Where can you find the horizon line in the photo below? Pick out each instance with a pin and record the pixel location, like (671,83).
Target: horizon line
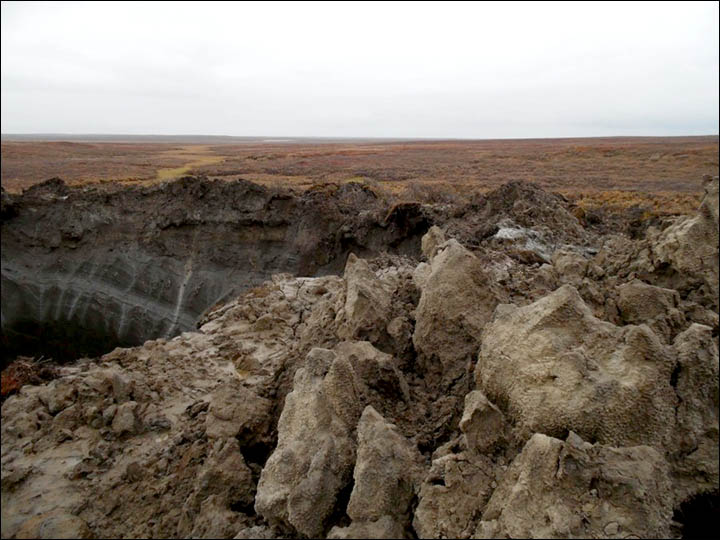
(290,138)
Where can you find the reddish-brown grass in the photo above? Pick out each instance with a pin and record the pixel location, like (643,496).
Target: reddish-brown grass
(24,370)
(663,173)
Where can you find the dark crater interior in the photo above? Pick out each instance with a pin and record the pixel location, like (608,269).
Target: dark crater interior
(85,270)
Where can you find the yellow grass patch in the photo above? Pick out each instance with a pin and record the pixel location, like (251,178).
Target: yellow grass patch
(197,156)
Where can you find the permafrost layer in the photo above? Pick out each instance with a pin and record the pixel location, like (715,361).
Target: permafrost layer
(139,263)
(555,382)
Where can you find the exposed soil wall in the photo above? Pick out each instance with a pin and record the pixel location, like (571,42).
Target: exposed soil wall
(130,264)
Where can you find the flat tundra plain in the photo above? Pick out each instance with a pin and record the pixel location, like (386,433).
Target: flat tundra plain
(659,174)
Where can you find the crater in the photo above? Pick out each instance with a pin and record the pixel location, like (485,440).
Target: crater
(87,269)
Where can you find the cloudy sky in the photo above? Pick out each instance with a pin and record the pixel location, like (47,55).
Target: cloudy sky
(361,69)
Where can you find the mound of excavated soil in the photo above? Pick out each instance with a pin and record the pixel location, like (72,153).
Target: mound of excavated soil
(489,371)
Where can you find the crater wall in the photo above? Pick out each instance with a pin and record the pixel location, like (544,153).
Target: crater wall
(130,264)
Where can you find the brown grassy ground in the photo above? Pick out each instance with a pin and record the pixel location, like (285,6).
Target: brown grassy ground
(660,173)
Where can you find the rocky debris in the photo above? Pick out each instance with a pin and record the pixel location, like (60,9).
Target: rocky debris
(256,532)
(275,324)
(553,366)
(475,393)
(367,304)
(385,527)
(457,300)
(524,205)
(679,253)
(453,495)
(125,448)
(690,246)
(526,245)
(224,481)
(695,380)
(394,275)
(639,303)
(54,525)
(387,471)
(483,424)
(380,382)
(235,411)
(312,463)
(57,396)
(464,473)
(570,265)
(432,241)
(574,489)
(125,420)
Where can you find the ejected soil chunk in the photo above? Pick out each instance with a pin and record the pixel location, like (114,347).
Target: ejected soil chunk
(457,300)
(367,303)
(690,246)
(695,447)
(482,423)
(313,461)
(554,366)
(236,411)
(387,470)
(639,302)
(453,495)
(657,307)
(575,489)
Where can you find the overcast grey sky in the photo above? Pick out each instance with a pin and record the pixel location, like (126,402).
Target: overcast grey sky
(361,69)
